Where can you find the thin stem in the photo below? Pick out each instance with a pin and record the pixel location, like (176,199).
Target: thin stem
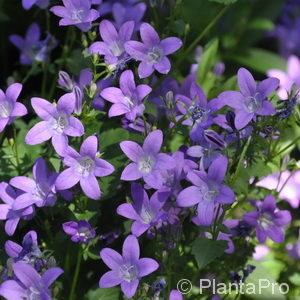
(240,162)
(75,278)
(200,36)
(28,75)
(45,75)
(15,147)
(287,147)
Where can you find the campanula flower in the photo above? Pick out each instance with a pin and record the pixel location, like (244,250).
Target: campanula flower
(32,48)
(152,52)
(143,211)
(128,98)
(112,46)
(76,12)
(28,252)
(80,231)
(39,190)
(126,269)
(207,191)
(288,78)
(27,4)
(251,101)
(84,167)
(8,195)
(268,220)
(29,284)
(57,124)
(9,107)
(147,161)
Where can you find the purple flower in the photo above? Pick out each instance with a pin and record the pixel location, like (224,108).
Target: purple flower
(128,99)
(147,162)
(27,4)
(39,191)
(57,123)
(206,155)
(175,295)
(112,46)
(207,191)
(85,79)
(126,269)
(260,252)
(9,107)
(106,7)
(84,167)
(7,212)
(251,101)
(76,12)
(31,47)
(152,52)
(124,12)
(268,220)
(145,213)
(199,112)
(28,252)
(30,284)
(286,183)
(292,76)
(80,231)
(137,125)
(172,177)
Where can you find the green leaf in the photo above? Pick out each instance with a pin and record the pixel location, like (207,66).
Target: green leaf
(259,60)
(208,60)
(261,24)
(259,277)
(206,250)
(226,2)
(104,294)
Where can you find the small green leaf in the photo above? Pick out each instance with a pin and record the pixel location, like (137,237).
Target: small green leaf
(226,2)
(206,250)
(261,277)
(104,294)
(259,60)
(208,59)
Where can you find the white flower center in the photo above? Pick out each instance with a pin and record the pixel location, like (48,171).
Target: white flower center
(265,221)
(60,123)
(130,103)
(155,55)
(209,191)
(5,109)
(253,103)
(77,15)
(128,272)
(146,164)
(84,232)
(85,166)
(40,192)
(147,215)
(116,48)
(33,294)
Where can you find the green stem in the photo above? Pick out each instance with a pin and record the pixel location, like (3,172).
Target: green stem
(200,36)
(75,278)
(240,162)
(287,147)
(45,75)
(28,75)
(15,146)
